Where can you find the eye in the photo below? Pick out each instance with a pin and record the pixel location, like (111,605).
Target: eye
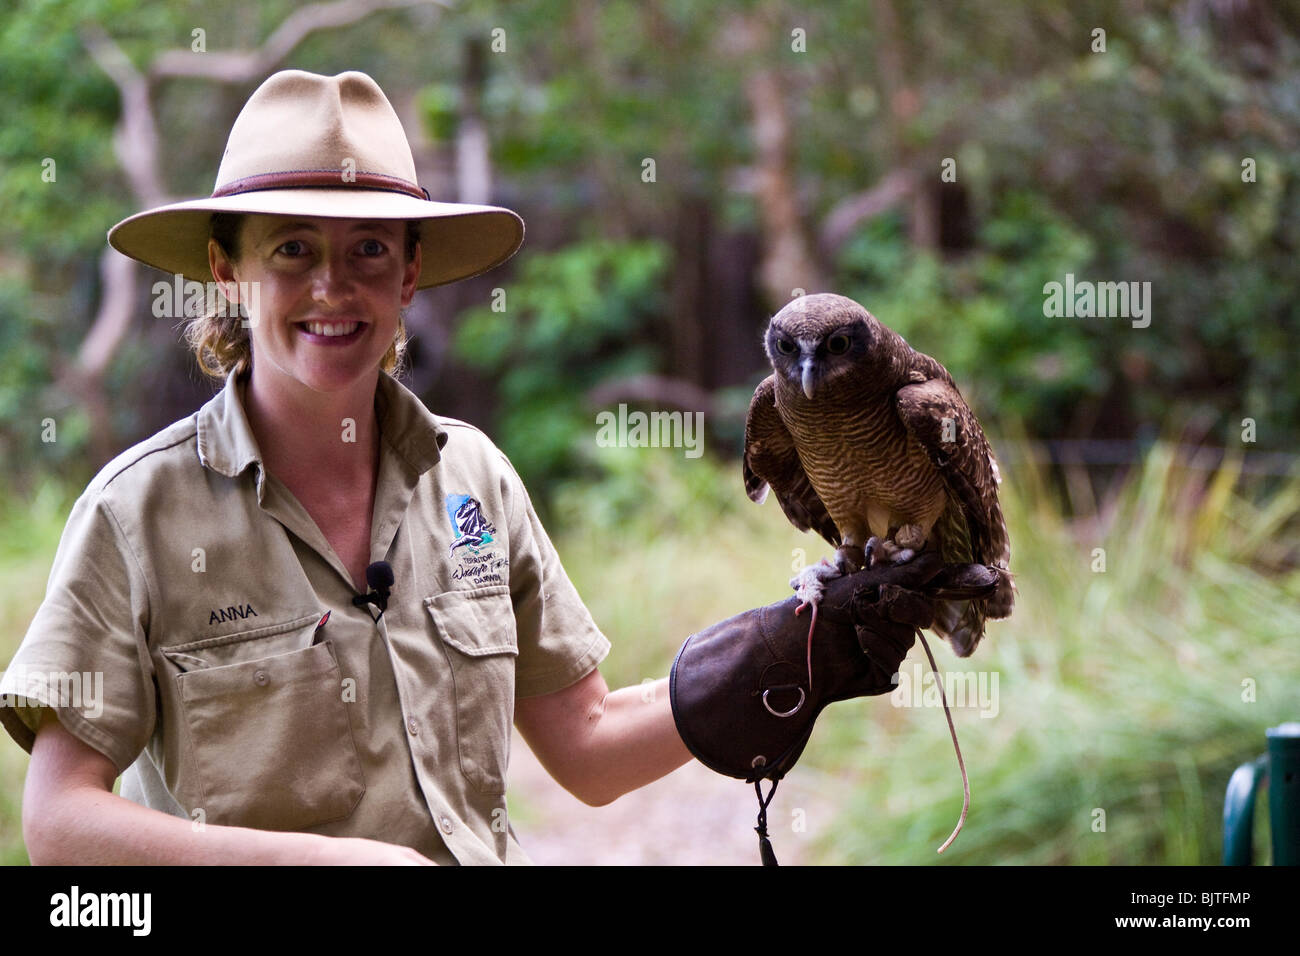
(837,344)
(785,346)
(293,248)
(373,247)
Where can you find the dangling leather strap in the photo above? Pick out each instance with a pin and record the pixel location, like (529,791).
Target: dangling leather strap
(765,852)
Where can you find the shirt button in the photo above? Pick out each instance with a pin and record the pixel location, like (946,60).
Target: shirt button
(445,823)
(412,726)
(261,679)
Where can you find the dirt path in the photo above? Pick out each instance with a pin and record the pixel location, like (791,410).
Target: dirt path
(692,817)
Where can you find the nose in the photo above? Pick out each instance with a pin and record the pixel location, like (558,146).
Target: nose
(331,280)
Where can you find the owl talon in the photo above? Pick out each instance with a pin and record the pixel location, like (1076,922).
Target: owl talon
(882,550)
(849,559)
(911,537)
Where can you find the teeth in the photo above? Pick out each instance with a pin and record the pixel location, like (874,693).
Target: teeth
(332,328)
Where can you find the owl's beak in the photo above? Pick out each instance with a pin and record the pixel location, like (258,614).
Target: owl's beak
(807,365)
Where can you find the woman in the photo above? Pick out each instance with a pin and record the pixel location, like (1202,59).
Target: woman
(315,606)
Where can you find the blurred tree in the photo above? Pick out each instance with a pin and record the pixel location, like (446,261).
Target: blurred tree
(941,163)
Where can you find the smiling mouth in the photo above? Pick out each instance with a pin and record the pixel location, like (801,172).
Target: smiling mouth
(330,329)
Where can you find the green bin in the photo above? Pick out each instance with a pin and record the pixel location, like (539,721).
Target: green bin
(1279,771)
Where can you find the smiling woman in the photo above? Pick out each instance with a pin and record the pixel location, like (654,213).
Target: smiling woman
(305,728)
(219,338)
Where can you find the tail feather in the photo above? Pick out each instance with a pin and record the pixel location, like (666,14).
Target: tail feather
(1000,603)
(961,623)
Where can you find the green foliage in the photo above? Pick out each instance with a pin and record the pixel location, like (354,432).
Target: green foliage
(28,405)
(29,533)
(984,314)
(23,364)
(59,109)
(571,320)
(1142,151)
(691,495)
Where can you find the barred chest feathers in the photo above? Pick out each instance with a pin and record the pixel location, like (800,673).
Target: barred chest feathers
(861,461)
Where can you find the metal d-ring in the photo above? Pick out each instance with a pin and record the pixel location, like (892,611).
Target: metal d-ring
(788,713)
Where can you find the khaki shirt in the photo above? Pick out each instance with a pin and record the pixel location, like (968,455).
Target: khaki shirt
(181,636)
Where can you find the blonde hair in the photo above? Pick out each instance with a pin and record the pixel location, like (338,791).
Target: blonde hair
(220,341)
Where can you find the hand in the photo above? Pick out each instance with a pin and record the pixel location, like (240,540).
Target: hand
(740,690)
(356,851)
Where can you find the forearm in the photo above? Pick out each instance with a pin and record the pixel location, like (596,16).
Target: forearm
(86,826)
(71,816)
(600,744)
(633,740)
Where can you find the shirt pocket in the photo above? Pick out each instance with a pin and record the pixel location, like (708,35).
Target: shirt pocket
(270,737)
(477,629)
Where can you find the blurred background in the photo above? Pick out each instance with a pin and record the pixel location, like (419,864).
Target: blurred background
(684,170)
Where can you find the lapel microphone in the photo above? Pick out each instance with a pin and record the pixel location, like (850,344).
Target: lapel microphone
(379,578)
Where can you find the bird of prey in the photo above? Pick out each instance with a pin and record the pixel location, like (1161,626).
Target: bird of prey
(868,442)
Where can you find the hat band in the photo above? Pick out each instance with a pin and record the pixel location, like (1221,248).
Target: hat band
(307,178)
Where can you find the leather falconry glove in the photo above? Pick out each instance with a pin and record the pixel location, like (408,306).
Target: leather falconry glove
(740,690)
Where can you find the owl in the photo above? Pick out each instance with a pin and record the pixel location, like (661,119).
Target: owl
(868,442)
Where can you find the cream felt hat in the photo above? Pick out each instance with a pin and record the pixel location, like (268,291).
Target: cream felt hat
(330,146)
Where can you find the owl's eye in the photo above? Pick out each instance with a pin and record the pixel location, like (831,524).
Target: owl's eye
(785,346)
(837,344)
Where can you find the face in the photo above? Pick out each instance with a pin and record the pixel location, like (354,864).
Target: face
(812,358)
(328,300)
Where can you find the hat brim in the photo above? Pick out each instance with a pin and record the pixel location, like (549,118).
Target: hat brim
(459,240)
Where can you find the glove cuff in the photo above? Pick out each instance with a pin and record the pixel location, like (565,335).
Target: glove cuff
(742,707)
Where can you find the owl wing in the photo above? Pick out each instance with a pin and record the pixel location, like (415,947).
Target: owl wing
(771,460)
(932,411)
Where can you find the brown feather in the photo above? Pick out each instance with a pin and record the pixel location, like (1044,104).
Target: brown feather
(771,460)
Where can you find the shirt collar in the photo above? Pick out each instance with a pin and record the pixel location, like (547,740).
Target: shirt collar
(225,440)
(407,426)
(226,443)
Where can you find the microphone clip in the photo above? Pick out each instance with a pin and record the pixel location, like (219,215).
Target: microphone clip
(379,578)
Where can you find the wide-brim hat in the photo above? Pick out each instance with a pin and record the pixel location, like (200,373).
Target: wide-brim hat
(322,146)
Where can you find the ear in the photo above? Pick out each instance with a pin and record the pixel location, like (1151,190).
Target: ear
(223,270)
(411,275)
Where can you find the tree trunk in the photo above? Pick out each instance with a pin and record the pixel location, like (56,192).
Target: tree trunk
(788,262)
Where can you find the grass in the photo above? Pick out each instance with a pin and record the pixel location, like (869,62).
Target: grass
(29,534)
(1122,691)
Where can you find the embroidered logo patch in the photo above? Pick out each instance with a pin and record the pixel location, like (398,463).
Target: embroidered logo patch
(476,562)
(467,521)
